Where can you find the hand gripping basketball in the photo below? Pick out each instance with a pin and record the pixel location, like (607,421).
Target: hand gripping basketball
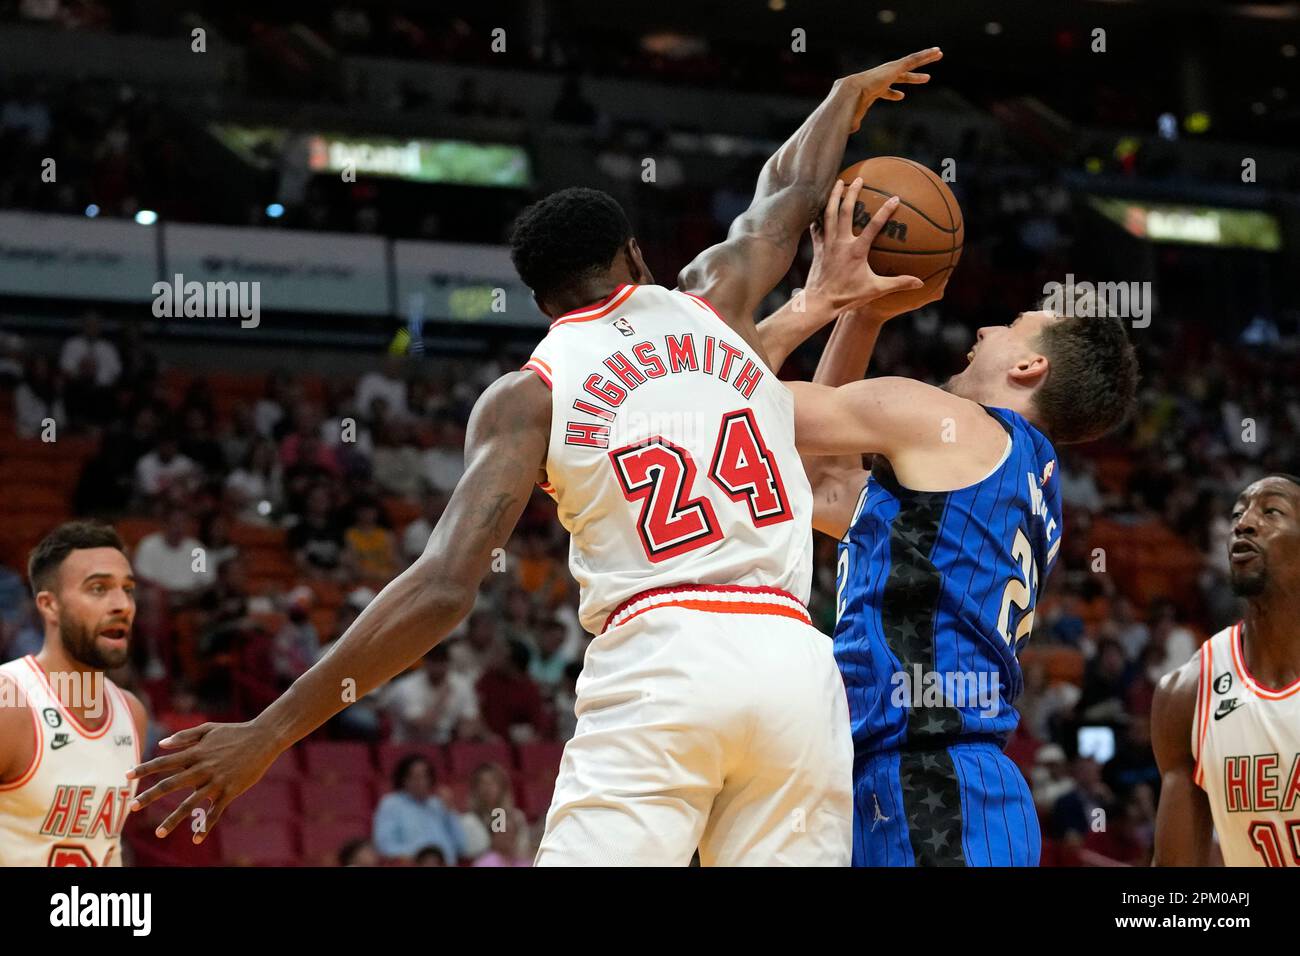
(841,269)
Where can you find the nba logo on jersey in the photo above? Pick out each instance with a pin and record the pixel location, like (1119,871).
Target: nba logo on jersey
(624,326)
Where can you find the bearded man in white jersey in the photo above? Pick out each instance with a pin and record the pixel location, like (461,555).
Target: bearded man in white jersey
(710,712)
(68,735)
(1226,725)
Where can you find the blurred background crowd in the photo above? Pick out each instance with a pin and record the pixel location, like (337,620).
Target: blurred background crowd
(270,483)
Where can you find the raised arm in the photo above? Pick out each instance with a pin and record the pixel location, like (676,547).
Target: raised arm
(505,447)
(736,274)
(1184,827)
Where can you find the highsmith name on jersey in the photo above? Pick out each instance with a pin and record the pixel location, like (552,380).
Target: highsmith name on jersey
(672,458)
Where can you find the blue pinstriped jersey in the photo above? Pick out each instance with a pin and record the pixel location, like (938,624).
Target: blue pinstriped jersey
(935,594)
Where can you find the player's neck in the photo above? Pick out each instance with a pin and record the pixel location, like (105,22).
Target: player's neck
(1271,639)
(587,293)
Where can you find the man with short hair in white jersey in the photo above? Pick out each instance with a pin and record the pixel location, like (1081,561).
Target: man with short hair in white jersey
(69,735)
(711,714)
(1226,725)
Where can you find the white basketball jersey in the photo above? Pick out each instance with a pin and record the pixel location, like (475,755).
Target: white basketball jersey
(672,457)
(69,807)
(1246,738)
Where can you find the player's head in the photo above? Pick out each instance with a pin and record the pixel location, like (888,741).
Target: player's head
(573,242)
(85,592)
(1075,376)
(1264,546)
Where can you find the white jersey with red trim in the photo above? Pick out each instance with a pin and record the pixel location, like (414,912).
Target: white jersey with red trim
(1246,738)
(672,456)
(69,807)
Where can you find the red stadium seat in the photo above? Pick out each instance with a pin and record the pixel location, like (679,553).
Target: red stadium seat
(328,760)
(270,843)
(268,800)
(322,840)
(534,797)
(465,757)
(286,767)
(337,800)
(391,754)
(540,759)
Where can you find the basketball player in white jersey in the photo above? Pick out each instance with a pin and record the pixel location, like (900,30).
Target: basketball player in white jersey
(68,735)
(710,711)
(1226,725)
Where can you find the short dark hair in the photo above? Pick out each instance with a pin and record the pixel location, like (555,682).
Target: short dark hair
(46,558)
(407,764)
(1284,475)
(569,236)
(1091,385)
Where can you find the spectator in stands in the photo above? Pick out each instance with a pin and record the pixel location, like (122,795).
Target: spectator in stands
(1104,685)
(504,842)
(296,646)
(1177,642)
(273,407)
(90,353)
(470,656)
(237,435)
(416,534)
(443,464)
(411,817)
(198,443)
(214,535)
(430,856)
(359,853)
(317,540)
(225,608)
(164,470)
(549,660)
(1125,627)
(38,398)
(371,548)
(395,460)
(491,806)
(170,558)
(388,383)
(430,705)
(517,617)
(1050,778)
(1077,810)
(254,490)
(508,698)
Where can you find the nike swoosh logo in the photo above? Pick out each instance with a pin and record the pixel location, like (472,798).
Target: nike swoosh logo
(1221,713)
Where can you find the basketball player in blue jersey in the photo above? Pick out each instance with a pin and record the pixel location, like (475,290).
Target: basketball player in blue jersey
(944,547)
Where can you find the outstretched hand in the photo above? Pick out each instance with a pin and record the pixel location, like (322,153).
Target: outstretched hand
(217,762)
(841,268)
(878,82)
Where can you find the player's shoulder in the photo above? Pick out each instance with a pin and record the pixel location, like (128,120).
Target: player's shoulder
(1173,707)
(139,713)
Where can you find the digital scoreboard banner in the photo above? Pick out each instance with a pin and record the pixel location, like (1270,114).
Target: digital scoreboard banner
(1193,225)
(451,161)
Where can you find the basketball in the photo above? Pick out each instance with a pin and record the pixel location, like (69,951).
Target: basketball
(924,237)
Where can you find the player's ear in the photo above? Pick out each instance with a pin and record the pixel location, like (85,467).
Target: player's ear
(636,266)
(542,306)
(1030,370)
(46,604)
